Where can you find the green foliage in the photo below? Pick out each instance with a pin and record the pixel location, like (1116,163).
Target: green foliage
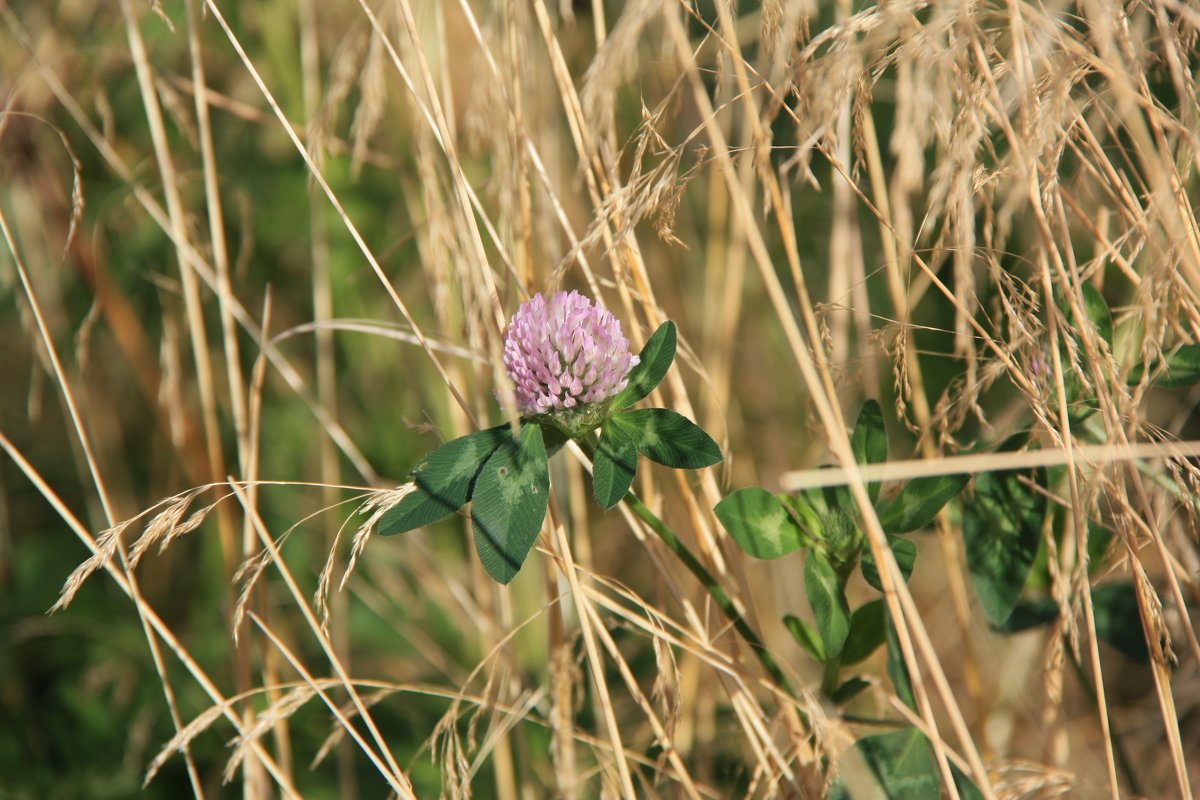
(828,602)
(761,524)
(1002,527)
(905,551)
(669,438)
(896,669)
(509,503)
(849,689)
(919,502)
(81,693)
(831,519)
(868,630)
(1180,367)
(904,768)
(841,538)
(827,524)
(659,434)
(444,479)
(1100,537)
(1030,614)
(1119,621)
(507,481)
(1096,316)
(77,682)
(869,441)
(1095,307)
(901,763)
(1115,608)
(806,636)
(809,510)
(615,463)
(655,359)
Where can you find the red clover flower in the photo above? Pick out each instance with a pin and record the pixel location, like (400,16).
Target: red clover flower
(565,355)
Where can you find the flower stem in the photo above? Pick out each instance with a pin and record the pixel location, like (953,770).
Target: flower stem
(710,583)
(714,588)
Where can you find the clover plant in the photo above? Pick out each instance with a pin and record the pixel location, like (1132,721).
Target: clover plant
(572,373)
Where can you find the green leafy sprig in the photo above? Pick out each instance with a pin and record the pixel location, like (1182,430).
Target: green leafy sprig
(827,526)
(503,472)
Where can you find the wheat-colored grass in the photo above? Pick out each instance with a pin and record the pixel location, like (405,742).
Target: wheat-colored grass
(833,201)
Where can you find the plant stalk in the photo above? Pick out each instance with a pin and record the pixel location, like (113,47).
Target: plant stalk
(711,585)
(715,591)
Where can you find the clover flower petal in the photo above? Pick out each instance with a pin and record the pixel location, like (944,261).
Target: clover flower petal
(564,354)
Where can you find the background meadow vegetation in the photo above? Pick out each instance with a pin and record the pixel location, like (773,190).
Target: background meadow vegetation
(258,257)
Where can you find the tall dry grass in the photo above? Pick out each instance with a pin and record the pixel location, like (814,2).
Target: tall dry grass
(258,257)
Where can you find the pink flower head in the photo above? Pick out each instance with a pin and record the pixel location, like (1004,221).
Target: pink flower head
(565,353)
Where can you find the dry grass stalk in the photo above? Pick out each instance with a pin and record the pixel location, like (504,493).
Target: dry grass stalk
(1005,158)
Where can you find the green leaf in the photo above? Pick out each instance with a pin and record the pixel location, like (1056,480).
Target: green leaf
(843,540)
(897,670)
(901,765)
(1118,620)
(416,510)
(655,360)
(803,510)
(967,790)
(829,607)
(760,524)
(905,551)
(805,636)
(444,479)
(1095,310)
(1030,614)
(1181,367)
(919,502)
(868,630)
(669,438)
(615,464)
(1099,541)
(869,441)
(903,768)
(1100,537)
(849,690)
(1081,403)
(1002,527)
(509,503)
(1098,312)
